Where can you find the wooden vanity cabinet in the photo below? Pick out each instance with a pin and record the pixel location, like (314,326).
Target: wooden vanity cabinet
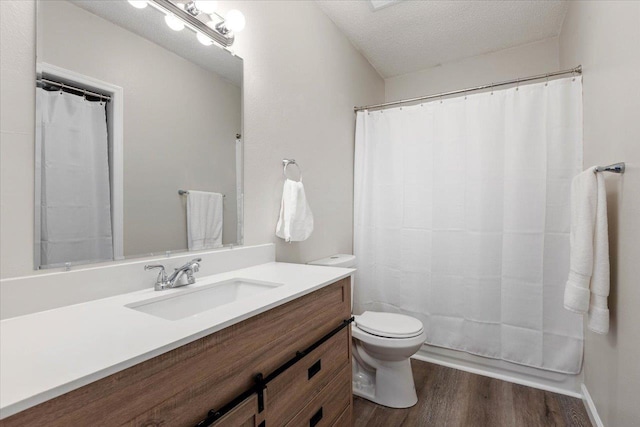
(179,387)
(245,414)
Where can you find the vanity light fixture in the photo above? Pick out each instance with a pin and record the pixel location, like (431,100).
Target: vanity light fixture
(203,38)
(201,18)
(203,6)
(174,23)
(234,21)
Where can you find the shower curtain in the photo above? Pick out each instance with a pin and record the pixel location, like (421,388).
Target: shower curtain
(462,220)
(75,199)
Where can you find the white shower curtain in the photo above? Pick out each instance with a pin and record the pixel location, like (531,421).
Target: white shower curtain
(75,214)
(462,220)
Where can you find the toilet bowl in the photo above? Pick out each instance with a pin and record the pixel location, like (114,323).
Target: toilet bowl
(382,345)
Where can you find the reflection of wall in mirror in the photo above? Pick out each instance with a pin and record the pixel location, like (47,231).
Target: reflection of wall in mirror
(179,126)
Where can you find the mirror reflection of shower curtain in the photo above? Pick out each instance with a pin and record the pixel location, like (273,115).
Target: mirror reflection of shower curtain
(239,192)
(75,214)
(462,220)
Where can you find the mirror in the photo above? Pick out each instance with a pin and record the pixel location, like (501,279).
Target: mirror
(138,136)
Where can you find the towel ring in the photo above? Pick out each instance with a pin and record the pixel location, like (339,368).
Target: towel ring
(287,162)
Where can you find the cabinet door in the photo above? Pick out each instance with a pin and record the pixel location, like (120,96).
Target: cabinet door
(244,415)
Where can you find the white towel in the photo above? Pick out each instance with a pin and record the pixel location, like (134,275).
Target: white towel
(204,220)
(587,287)
(296,220)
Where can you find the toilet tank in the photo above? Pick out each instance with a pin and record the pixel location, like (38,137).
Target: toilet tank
(339,260)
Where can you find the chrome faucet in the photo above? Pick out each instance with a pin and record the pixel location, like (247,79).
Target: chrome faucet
(174,280)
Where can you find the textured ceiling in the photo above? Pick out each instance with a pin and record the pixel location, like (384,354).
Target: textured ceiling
(413,35)
(149,23)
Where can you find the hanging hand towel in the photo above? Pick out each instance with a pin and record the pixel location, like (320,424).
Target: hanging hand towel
(296,220)
(587,287)
(204,220)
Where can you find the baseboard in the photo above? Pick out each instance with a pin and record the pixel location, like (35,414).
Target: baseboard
(591,407)
(566,384)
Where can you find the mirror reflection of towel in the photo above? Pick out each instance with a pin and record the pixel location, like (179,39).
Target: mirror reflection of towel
(204,220)
(296,220)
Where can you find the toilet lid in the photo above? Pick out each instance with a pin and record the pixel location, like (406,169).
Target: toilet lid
(389,325)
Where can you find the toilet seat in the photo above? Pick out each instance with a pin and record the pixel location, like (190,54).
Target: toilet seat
(389,325)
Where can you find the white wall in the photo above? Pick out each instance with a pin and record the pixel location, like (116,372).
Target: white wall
(17,117)
(302,79)
(521,61)
(173,110)
(604,36)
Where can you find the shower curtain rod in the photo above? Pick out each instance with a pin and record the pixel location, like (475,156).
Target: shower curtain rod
(73,88)
(575,70)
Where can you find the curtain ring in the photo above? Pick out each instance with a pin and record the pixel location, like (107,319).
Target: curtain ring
(518,84)
(491,88)
(547,82)
(61,87)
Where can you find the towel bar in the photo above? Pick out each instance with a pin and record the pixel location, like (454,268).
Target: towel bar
(615,168)
(185,192)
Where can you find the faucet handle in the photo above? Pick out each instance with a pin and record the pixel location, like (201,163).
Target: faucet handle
(193,265)
(191,279)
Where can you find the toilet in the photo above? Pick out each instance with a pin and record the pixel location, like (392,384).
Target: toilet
(382,345)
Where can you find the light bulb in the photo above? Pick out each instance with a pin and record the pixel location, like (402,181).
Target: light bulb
(234,20)
(206,6)
(174,23)
(205,40)
(138,4)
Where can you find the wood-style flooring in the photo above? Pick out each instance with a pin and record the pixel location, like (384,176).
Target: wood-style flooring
(452,398)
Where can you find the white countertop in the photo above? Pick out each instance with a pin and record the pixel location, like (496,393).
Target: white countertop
(46,354)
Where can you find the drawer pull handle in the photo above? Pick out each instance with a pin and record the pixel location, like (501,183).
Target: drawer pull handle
(315,368)
(316,418)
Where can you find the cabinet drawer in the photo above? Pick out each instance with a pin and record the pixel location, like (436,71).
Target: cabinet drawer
(295,387)
(328,405)
(344,420)
(244,415)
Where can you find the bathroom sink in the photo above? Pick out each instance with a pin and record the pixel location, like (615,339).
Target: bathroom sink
(190,302)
